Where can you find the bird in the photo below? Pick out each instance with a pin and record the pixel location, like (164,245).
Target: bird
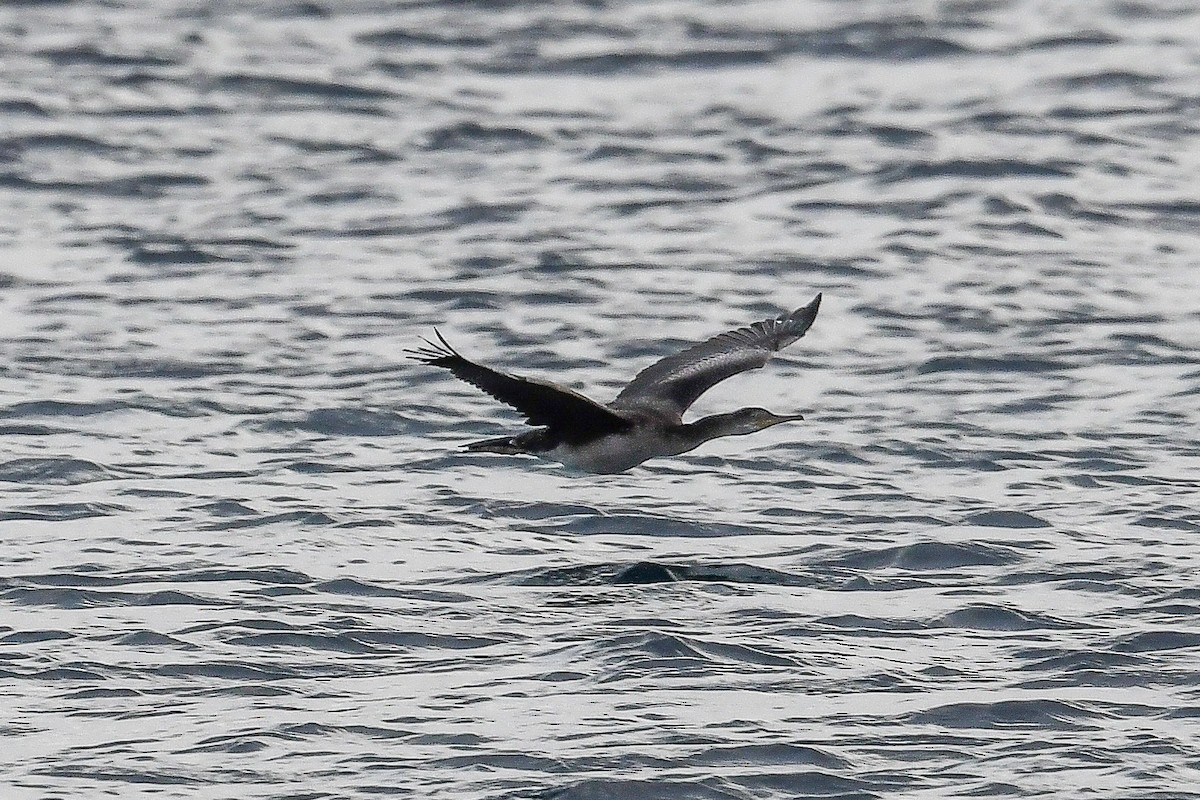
(646,419)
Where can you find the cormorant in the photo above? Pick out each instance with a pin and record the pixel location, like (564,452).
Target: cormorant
(646,418)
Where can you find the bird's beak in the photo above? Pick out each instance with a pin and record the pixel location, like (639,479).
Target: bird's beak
(786,418)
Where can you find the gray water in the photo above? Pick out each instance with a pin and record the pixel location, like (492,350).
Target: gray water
(241,554)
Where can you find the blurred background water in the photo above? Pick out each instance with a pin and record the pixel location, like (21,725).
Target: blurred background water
(242,555)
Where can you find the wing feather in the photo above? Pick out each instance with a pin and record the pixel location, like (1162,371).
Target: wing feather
(675,382)
(567,413)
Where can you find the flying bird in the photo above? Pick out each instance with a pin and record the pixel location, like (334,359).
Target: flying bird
(646,419)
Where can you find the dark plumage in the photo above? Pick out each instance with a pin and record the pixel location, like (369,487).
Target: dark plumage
(646,418)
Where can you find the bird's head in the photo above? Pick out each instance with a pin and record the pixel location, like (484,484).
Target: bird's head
(751,420)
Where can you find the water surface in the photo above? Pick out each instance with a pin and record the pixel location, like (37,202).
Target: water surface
(243,556)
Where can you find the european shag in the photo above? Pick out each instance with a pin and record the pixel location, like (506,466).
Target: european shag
(646,418)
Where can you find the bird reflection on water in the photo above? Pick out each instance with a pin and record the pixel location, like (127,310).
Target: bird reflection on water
(646,419)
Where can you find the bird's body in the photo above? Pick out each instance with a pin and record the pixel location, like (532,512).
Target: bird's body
(649,435)
(646,418)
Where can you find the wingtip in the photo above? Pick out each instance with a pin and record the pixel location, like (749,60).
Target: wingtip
(799,321)
(431,351)
(809,310)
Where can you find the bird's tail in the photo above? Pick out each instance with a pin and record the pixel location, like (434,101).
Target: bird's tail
(501,444)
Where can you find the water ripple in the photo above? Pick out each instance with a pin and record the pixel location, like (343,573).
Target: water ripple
(243,547)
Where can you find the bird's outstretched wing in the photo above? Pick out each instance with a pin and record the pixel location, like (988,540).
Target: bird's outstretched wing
(673,384)
(568,413)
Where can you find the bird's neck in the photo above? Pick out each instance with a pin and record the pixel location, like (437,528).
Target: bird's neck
(708,428)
